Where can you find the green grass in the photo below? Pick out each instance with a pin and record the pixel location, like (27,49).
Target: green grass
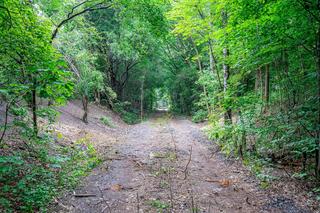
(159,205)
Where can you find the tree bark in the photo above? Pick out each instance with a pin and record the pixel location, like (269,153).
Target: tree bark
(213,64)
(5,122)
(267,84)
(85,108)
(97,97)
(317,172)
(34,107)
(226,70)
(258,82)
(226,74)
(142,97)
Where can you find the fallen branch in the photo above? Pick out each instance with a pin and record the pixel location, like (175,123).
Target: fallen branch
(84,195)
(111,159)
(138,203)
(186,168)
(104,200)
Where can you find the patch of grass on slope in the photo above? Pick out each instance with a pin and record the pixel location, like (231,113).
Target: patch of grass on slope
(106,121)
(31,177)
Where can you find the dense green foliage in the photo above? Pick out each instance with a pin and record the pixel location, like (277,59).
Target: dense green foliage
(260,67)
(249,67)
(30,181)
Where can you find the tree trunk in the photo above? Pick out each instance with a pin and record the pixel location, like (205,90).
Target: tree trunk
(201,72)
(213,64)
(243,142)
(318,122)
(34,107)
(267,85)
(5,122)
(85,108)
(258,82)
(226,74)
(226,71)
(142,96)
(97,97)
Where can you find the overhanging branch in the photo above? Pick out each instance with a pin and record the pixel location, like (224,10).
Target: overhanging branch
(71,16)
(9,14)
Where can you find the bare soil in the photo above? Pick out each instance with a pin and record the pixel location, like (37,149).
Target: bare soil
(165,165)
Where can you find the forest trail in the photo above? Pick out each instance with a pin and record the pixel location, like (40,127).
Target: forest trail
(151,168)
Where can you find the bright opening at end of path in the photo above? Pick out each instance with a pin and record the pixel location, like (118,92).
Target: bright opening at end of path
(163,100)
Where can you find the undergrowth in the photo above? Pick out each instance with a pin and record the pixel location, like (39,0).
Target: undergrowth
(263,143)
(106,121)
(40,170)
(127,114)
(199,116)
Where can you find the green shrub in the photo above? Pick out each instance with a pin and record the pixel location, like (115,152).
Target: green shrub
(130,118)
(200,116)
(159,205)
(124,111)
(106,121)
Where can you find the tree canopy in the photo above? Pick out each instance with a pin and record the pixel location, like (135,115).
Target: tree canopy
(251,68)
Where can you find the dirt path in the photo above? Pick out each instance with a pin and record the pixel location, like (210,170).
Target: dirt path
(166,165)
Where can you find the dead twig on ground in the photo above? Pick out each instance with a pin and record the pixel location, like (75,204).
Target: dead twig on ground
(111,159)
(84,195)
(170,188)
(138,203)
(104,199)
(137,162)
(186,168)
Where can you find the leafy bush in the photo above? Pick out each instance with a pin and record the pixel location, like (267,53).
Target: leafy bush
(106,121)
(124,111)
(199,116)
(130,118)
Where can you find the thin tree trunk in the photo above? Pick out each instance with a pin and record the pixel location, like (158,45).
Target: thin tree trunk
(5,122)
(267,85)
(201,71)
(226,74)
(213,64)
(318,122)
(85,108)
(34,107)
(142,96)
(226,71)
(243,142)
(258,81)
(97,97)
(141,100)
